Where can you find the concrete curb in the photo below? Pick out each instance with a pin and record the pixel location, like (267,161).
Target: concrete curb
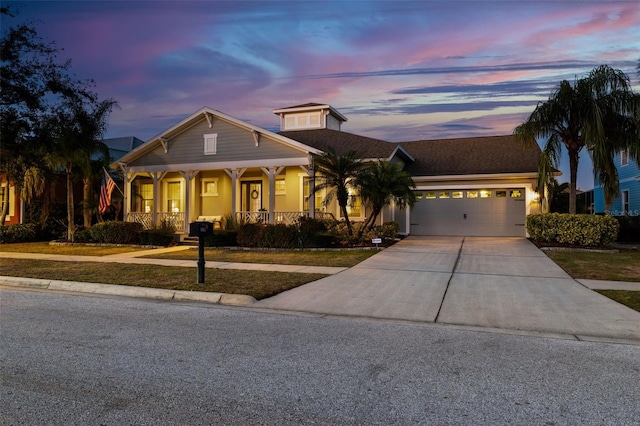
(130,291)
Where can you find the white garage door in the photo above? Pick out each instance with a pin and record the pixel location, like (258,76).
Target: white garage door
(470,212)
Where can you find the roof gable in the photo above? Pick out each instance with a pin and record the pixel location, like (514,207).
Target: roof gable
(163,140)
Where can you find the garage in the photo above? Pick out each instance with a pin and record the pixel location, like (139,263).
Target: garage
(470,212)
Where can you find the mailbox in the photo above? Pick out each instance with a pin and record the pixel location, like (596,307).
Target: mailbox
(200,229)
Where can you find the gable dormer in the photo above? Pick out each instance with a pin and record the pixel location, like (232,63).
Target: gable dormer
(309,116)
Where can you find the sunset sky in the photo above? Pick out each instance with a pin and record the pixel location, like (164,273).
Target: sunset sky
(399,70)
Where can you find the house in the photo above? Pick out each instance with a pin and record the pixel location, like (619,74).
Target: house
(212,165)
(16,206)
(628,203)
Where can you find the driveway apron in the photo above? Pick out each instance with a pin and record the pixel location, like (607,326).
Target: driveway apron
(497,282)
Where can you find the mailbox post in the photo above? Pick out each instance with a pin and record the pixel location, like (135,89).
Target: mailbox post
(200,230)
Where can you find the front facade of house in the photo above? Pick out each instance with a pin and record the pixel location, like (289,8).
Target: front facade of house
(628,203)
(212,166)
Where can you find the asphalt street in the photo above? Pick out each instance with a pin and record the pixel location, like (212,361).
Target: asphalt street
(87,359)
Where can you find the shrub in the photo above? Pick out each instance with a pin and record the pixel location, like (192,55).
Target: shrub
(117,232)
(19,233)
(313,232)
(250,235)
(157,237)
(221,238)
(281,236)
(579,229)
(83,235)
(629,229)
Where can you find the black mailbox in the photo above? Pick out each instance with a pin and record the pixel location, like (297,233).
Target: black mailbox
(200,229)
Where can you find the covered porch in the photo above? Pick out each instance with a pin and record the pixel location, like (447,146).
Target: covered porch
(270,194)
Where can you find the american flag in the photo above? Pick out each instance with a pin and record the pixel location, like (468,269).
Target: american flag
(105,192)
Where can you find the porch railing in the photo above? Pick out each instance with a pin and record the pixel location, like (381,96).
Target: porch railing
(146,219)
(287,218)
(176,219)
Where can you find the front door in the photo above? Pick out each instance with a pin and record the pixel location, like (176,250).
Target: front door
(251,196)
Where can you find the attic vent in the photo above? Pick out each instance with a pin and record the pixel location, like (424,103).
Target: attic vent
(210,144)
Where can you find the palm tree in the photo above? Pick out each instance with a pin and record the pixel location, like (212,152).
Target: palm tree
(599,112)
(78,129)
(337,175)
(380,184)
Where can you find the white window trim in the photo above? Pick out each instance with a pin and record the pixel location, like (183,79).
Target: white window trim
(166,194)
(321,193)
(204,182)
(625,196)
(281,191)
(11,212)
(624,157)
(211,144)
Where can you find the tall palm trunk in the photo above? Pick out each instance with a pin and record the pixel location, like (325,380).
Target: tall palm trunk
(573,178)
(5,205)
(70,208)
(86,194)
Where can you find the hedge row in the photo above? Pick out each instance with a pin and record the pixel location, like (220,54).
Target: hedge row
(18,233)
(629,229)
(581,229)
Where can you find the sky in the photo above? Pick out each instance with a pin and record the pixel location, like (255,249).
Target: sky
(398,70)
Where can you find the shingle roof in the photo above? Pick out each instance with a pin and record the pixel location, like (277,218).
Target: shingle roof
(120,146)
(479,155)
(125,144)
(342,142)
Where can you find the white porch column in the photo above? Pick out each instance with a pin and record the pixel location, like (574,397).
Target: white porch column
(127,178)
(188,178)
(157,192)
(234,174)
(272,172)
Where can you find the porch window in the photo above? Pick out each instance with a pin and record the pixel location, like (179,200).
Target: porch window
(209,187)
(281,188)
(319,196)
(146,193)
(173,197)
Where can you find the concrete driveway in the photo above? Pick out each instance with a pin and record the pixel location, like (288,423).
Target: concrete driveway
(504,283)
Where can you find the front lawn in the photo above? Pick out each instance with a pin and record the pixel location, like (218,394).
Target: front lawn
(341,258)
(626,297)
(593,265)
(259,284)
(44,247)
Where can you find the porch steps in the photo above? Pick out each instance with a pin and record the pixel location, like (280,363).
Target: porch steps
(188,241)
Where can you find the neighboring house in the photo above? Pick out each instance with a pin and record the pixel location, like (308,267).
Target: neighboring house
(14,212)
(117,148)
(211,165)
(628,203)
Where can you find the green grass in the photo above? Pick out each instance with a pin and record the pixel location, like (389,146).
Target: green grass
(259,284)
(622,266)
(346,258)
(626,297)
(79,250)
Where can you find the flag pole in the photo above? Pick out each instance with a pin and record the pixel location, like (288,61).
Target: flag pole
(114,182)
